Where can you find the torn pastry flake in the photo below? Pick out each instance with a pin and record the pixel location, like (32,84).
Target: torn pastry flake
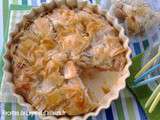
(70,70)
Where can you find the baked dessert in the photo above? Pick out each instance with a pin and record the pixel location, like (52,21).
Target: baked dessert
(133,18)
(51,54)
(136,17)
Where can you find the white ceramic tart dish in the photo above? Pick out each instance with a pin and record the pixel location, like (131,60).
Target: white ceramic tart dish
(67,56)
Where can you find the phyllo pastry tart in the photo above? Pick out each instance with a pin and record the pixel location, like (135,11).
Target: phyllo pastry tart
(62,55)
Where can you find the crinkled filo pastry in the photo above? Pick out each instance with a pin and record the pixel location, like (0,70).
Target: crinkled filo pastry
(134,19)
(50,53)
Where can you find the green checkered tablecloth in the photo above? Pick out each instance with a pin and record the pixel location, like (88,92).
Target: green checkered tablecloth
(125,108)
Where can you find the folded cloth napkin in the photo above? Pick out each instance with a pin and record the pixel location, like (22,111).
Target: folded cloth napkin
(142,93)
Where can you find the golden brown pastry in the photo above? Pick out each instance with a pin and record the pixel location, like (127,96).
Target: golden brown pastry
(49,54)
(132,17)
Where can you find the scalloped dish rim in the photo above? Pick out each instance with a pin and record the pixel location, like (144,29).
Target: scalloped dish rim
(114,93)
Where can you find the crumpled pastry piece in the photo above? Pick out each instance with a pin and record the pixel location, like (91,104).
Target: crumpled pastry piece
(74,43)
(111,44)
(119,12)
(130,17)
(71,97)
(133,26)
(52,81)
(103,50)
(78,99)
(70,70)
(92,22)
(42,27)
